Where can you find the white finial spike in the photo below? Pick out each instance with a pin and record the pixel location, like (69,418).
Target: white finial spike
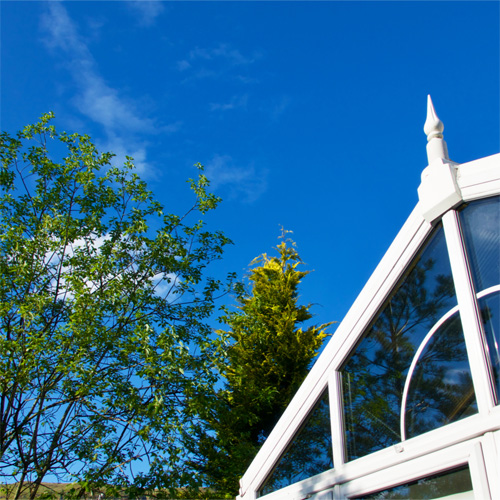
(433,128)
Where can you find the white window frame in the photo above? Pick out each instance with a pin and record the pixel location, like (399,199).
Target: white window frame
(469,313)
(469,453)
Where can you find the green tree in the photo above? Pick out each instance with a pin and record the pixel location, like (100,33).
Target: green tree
(102,301)
(266,354)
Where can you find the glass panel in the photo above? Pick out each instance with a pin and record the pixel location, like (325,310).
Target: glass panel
(441,389)
(490,312)
(454,485)
(373,378)
(309,453)
(481,227)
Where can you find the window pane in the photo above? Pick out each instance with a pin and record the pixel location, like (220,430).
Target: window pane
(450,485)
(441,389)
(309,453)
(481,227)
(373,378)
(490,312)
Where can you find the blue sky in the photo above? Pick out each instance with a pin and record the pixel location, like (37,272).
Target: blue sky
(307,115)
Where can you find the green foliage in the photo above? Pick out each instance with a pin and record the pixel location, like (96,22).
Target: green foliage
(102,302)
(263,357)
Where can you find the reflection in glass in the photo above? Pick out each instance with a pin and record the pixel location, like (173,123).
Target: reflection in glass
(490,312)
(309,453)
(434,487)
(373,378)
(441,389)
(480,222)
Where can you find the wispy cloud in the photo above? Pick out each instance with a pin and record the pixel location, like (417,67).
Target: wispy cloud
(279,107)
(183,65)
(221,59)
(235,102)
(120,117)
(221,51)
(146,10)
(245,183)
(104,105)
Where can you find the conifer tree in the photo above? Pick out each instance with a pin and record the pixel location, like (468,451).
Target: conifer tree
(267,354)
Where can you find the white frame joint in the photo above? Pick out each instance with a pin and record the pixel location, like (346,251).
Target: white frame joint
(439,191)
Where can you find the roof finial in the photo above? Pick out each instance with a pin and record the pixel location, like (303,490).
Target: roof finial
(433,128)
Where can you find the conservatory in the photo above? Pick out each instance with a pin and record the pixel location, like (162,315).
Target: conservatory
(404,402)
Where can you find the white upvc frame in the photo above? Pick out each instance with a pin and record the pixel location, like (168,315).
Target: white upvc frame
(469,313)
(480,453)
(467,453)
(444,438)
(337,416)
(491,447)
(477,179)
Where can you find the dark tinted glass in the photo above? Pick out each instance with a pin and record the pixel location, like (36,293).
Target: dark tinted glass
(373,378)
(309,453)
(438,486)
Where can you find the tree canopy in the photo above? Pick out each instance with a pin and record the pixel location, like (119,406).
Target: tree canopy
(103,297)
(266,354)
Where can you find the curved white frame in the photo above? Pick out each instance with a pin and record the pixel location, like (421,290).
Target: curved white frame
(413,364)
(423,344)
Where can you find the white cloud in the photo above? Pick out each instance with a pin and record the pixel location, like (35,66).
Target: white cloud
(243,182)
(62,32)
(103,105)
(146,10)
(166,286)
(122,148)
(56,261)
(95,99)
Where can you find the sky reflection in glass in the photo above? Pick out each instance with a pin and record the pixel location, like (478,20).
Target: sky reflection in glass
(441,389)
(309,453)
(374,377)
